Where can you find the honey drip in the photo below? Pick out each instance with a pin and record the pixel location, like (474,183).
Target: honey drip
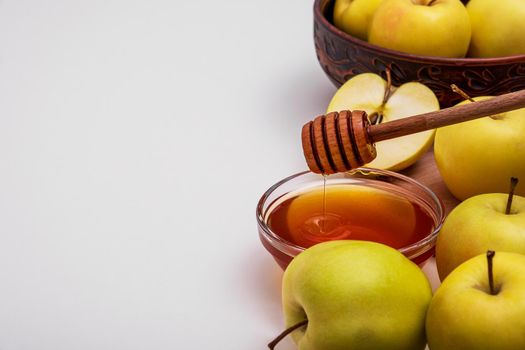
(324,204)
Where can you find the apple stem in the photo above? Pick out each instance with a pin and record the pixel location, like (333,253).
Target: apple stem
(490,257)
(287,331)
(463,94)
(513,184)
(388,89)
(431,2)
(377,117)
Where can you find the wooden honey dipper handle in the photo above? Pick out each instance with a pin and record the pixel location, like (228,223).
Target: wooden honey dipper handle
(341,141)
(447,116)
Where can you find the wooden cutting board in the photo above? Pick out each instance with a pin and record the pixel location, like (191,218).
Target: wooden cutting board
(426,172)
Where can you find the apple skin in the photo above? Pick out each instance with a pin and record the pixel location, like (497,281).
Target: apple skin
(481,155)
(355,295)
(354,16)
(497,27)
(479,224)
(464,315)
(441,29)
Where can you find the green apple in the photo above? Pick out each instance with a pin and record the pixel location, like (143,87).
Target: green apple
(422,27)
(355,295)
(467,314)
(479,156)
(478,224)
(367,92)
(498,27)
(354,16)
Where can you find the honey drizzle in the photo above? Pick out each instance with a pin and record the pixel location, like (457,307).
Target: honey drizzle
(324,204)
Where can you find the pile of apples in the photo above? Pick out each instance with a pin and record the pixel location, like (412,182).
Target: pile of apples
(350,294)
(446,28)
(343,295)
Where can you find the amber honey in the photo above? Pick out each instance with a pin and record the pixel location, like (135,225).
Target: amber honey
(350,212)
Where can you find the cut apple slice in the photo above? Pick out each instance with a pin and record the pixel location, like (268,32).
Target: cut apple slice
(371,93)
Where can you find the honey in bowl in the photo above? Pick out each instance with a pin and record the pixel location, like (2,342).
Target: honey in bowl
(350,212)
(365,204)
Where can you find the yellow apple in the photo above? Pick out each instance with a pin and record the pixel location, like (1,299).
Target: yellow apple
(422,27)
(354,16)
(481,155)
(366,92)
(479,224)
(498,27)
(355,295)
(466,313)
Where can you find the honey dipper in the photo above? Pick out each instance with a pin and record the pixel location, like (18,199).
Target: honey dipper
(341,141)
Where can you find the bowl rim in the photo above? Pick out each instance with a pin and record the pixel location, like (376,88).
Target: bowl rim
(466,61)
(292,249)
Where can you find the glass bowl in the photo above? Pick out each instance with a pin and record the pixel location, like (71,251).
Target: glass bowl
(283,249)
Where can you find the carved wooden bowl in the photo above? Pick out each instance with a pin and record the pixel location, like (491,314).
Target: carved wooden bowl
(342,56)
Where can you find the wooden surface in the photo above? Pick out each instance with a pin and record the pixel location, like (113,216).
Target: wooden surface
(426,172)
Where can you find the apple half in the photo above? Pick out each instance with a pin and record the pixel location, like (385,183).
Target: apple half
(383,102)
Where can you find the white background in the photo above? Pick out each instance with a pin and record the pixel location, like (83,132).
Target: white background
(136,138)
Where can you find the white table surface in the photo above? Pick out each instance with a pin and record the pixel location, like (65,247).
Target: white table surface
(135,140)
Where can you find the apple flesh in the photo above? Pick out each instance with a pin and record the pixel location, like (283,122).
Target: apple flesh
(479,224)
(422,27)
(464,314)
(366,92)
(498,27)
(355,295)
(481,155)
(354,16)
